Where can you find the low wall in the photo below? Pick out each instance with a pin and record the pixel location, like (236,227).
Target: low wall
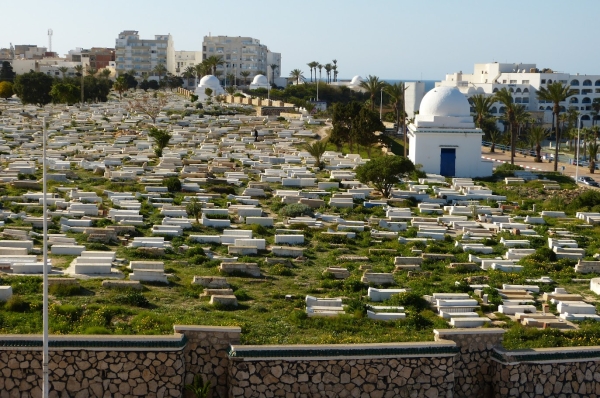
(370,370)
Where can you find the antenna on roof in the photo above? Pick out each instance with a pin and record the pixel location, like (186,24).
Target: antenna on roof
(50,40)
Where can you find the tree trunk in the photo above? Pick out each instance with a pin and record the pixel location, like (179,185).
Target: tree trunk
(592,166)
(538,150)
(557,141)
(493,147)
(513,140)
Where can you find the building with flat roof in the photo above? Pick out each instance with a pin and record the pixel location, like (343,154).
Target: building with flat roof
(142,55)
(524,80)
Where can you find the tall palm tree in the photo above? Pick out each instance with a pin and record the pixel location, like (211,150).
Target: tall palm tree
(482,106)
(63,70)
(522,118)
(79,71)
(214,61)
(298,75)
(537,134)
(316,150)
(320,70)
(312,65)
(556,93)
(105,73)
(593,150)
(506,99)
(132,72)
(230,78)
(120,85)
(91,71)
(328,72)
(334,68)
(396,93)
(244,74)
(596,108)
(273,67)
(159,70)
(373,86)
(189,73)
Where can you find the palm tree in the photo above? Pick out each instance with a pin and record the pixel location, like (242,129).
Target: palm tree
(522,118)
(132,72)
(313,66)
(105,73)
(244,74)
(316,150)
(396,93)
(334,68)
(494,136)
(159,70)
(328,72)
(189,73)
(596,108)
(505,98)
(230,78)
(320,70)
(79,71)
(593,150)
(273,67)
(91,71)
(194,208)
(63,70)
(298,75)
(537,134)
(373,86)
(161,139)
(481,106)
(556,93)
(120,85)
(213,62)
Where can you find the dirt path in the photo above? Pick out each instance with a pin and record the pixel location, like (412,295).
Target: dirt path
(323,131)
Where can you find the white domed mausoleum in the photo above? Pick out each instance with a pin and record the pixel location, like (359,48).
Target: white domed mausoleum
(356,80)
(259,81)
(209,81)
(443,137)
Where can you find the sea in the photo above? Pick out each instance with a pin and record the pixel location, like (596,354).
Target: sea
(429,84)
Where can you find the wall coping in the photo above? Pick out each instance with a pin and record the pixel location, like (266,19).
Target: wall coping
(202,328)
(547,355)
(450,332)
(330,351)
(95,342)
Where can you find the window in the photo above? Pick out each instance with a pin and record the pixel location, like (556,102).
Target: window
(574,82)
(587,82)
(525,100)
(525,82)
(586,91)
(504,81)
(494,110)
(543,81)
(586,100)
(518,100)
(513,82)
(573,100)
(525,90)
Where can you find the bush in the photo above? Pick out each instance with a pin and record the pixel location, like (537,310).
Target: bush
(62,290)
(281,270)
(222,189)
(409,299)
(133,298)
(17,304)
(173,184)
(296,210)
(96,330)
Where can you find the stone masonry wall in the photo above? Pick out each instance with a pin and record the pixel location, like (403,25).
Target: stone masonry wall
(473,372)
(207,354)
(86,373)
(562,380)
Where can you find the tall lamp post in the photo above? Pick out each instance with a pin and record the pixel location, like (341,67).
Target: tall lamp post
(577,151)
(381,105)
(45,356)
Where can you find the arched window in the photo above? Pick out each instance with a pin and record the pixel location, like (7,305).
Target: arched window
(495,90)
(573,100)
(585,117)
(541,108)
(518,90)
(525,90)
(597,83)
(549,81)
(518,100)
(493,110)
(502,109)
(574,82)
(576,91)
(563,109)
(586,100)
(549,108)
(512,90)
(587,82)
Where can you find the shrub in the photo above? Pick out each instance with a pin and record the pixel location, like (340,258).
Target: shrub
(242,295)
(96,330)
(133,298)
(409,299)
(62,290)
(222,189)
(281,270)
(97,246)
(296,210)
(173,184)
(151,323)
(17,304)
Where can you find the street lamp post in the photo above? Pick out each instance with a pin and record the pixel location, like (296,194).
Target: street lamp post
(381,105)
(45,358)
(577,151)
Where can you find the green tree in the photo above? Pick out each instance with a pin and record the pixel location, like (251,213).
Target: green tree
(6,72)
(6,89)
(105,73)
(63,70)
(506,99)
(161,139)
(297,75)
(482,105)
(367,124)
(121,85)
(273,68)
(344,122)
(34,88)
(194,208)
(596,110)
(159,70)
(132,83)
(556,93)
(148,105)
(64,93)
(373,86)
(189,74)
(316,150)
(244,74)
(213,62)
(593,151)
(327,68)
(313,66)
(384,172)
(95,89)
(396,93)
(537,134)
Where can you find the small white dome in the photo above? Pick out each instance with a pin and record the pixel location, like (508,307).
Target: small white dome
(356,80)
(209,81)
(445,101)
(260,80)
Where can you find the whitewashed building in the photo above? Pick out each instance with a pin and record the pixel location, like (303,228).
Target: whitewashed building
(443,137)
(209,81)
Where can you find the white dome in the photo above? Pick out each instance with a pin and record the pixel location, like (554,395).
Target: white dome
(445,101)
(209,81)
(356,80)
(260,80)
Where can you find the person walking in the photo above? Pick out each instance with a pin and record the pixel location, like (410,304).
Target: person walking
(255,135)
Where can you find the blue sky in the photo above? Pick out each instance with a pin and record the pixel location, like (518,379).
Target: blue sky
(392,39)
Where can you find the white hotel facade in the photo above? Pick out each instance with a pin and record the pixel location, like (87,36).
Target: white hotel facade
(523,80)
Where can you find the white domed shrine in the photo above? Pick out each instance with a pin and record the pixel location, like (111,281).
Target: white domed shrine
(356,80)
(443,137)
(209,81)
(259,81)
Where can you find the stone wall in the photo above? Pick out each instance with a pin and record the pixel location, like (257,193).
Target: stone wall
(272,110)
(124,367)
(572,372)
(370,371)
(473,373)
(207,353)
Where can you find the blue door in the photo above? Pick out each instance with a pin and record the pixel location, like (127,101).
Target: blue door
(448,162)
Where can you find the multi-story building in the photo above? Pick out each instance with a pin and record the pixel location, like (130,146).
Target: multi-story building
(29,51)
(142,55)
(97,57)
(523,81)
(183,59)
(240,54)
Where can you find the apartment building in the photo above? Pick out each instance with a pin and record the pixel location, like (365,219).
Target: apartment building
(184,59)
(142,55)
(240,54)
(523,81)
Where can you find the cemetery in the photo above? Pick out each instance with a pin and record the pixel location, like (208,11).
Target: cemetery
(217,228)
